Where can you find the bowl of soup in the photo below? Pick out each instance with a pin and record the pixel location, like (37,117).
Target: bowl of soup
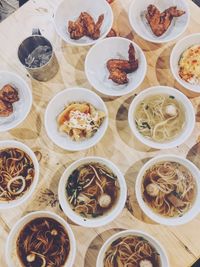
(161,117)
(132,248)
(168,190)
(92,192)
(41,238)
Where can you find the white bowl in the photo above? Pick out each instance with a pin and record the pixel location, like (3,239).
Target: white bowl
(141,27)
(22,107)
(70,10)
(29,192)
(158,247)
(191,213)
(56,106)
(177,51)
(97,72)
(12,259)
(189,116)
(104,219)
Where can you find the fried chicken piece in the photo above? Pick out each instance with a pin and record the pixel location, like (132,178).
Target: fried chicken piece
(9,94)
(118,76)
(97,31)
(112,33)
(160,22)
(76,29)
(119,68)
(85,26)
(6,109)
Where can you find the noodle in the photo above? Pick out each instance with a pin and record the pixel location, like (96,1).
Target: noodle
(16,173)
(43,242)
(160,118)
(169,189)
(92,189)
(131,251)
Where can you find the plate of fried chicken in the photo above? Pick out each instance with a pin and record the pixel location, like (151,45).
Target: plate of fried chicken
(82,25)
(15,100)
(115,66)
(159,21)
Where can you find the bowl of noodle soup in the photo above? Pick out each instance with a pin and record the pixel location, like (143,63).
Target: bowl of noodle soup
(19,173)
(168,190)
(41,238)
(132,248)
(92,192)
(161,117)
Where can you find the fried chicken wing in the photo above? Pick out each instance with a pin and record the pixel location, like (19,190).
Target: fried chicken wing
(160,22)
(9,94)
(97,31)
(76,29)
(6,109)
(85,26)
(119,68)
(118,76)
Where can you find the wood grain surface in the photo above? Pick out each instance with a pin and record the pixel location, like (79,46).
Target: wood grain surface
(118,144)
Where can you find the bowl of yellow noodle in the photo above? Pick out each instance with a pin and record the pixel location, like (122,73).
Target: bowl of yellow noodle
(92,191)
(132,248)
(19,173)
(161,117)
(168,190)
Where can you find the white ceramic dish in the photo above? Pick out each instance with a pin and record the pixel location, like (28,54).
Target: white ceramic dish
(180,97)
(22,107)
(141,27)
(11,254)
(158,247)
(179,48)
(110,215)
(70,10)
(56,106)
(97,72)
(29,192)
(191,213)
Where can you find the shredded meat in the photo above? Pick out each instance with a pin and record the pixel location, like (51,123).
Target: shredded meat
(160,22)
(85,26)
(119,68)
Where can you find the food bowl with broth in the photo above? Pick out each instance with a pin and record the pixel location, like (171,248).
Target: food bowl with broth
(161,117)
(41,238)
(92,192)
(168,190)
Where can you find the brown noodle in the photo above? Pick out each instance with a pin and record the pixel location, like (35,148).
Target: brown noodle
(16,173)
(169,179)
(129,251)
(43,242)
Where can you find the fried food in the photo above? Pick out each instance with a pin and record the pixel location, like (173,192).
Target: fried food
(8,96)
(85,26)
(160,22)
(112,33)
(6,109)
(119,68)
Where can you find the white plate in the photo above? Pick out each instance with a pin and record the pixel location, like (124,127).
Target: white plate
(101,220)
(189,117)
(11,254)
(71,9)
(158,247)
(97,72)
(191,213)
(22,107)
(57,105)
(179,48)
(141,27)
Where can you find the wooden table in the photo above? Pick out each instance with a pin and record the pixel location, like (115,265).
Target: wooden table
(181,243)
